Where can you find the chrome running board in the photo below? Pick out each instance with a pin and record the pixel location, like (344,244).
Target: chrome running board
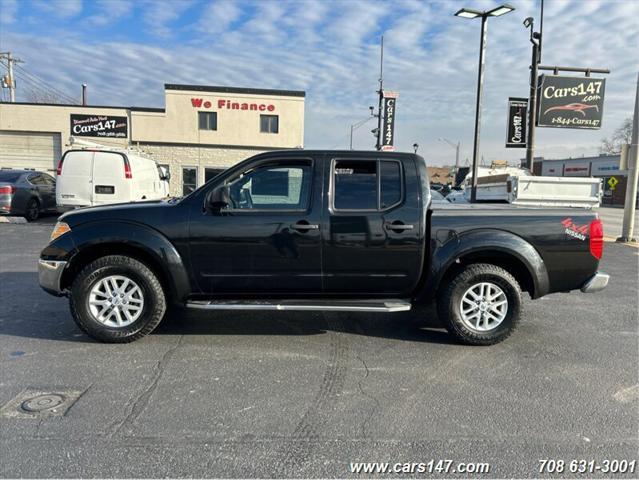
(383,305)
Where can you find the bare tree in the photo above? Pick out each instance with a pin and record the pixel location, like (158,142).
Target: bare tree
(622,135)
(44,96)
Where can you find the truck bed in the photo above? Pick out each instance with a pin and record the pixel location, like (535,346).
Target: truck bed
(555,233)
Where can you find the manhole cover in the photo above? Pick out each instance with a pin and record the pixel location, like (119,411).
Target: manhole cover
(43,402)
(36,403)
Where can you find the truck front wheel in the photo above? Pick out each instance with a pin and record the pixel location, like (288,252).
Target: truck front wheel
(481,305)
(117,299)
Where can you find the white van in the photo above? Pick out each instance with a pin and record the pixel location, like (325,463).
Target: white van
(90,177)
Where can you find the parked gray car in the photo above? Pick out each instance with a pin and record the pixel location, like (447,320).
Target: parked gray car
(27,193)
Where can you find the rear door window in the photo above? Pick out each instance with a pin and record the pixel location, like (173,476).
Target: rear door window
(35,179)
(390,179)
(366,184)
(48,179)
(355,185)
(78,163)
(107,165)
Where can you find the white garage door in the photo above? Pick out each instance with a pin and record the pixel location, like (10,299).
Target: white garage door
(29,150)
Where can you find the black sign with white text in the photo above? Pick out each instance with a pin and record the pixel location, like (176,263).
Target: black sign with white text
(517,122)
(388,127)
(570,102)
(98,126)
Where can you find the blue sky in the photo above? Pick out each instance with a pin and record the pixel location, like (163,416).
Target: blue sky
(125,50)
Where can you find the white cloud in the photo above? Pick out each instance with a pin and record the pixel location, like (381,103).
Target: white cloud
(60,8)
(8,10)
(330,49)
(158,15)
(110,11)
(218,16)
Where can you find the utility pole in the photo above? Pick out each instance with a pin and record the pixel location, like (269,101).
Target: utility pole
(627,232)
(10,79)
(378,145)
(535,39)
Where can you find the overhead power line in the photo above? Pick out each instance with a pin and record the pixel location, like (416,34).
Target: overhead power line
(39,85)
(45,83)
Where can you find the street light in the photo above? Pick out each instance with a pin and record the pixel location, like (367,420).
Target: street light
(356,125)
(470,13)
(456,147)
(495,12)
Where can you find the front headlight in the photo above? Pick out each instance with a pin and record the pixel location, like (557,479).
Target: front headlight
(60,229)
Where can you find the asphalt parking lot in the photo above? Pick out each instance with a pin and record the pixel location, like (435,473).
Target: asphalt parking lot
(304,394)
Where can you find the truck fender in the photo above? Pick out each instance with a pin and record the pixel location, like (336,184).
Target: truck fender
(450,247)
(141,238)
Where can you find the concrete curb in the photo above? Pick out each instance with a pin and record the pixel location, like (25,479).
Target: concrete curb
(13,220)
(627,244)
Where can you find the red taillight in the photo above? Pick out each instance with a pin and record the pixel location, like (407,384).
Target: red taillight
(127,168)
(8,190)
(596,239)
(59,170)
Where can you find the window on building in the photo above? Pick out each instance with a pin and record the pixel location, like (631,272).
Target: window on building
(164,169)
(269,124)
(274,187)
(366,184)
(210,173)
(189,180)
(207,120)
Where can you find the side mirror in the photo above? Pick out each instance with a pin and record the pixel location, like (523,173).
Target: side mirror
(219,198)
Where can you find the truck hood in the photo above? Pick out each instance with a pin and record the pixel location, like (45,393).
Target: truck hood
(134,211)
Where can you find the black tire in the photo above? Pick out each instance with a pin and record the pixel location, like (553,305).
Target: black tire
(32,212)
(153,309)
(449,308)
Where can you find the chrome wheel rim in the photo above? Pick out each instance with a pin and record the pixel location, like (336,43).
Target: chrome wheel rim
(483,307)
(116,301)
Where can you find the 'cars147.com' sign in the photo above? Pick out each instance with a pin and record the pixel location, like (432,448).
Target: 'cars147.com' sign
(516,131)
(388,126)
(98,126)
(570,102)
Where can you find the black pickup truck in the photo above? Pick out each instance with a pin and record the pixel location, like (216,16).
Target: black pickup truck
(317,230)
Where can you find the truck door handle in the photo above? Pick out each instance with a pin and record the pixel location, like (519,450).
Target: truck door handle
(398,226)
(304,226)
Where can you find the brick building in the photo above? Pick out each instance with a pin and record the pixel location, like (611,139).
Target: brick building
(200,131)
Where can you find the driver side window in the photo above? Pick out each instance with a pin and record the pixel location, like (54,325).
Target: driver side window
(272,187)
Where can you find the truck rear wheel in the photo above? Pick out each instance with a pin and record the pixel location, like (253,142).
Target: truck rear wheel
(117,299)
(481,305)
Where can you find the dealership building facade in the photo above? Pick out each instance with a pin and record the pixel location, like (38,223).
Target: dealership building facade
(603,166)
(200,131)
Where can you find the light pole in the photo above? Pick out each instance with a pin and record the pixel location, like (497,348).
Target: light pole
(356,125)
(456,147)
(535,40)
(469,13)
